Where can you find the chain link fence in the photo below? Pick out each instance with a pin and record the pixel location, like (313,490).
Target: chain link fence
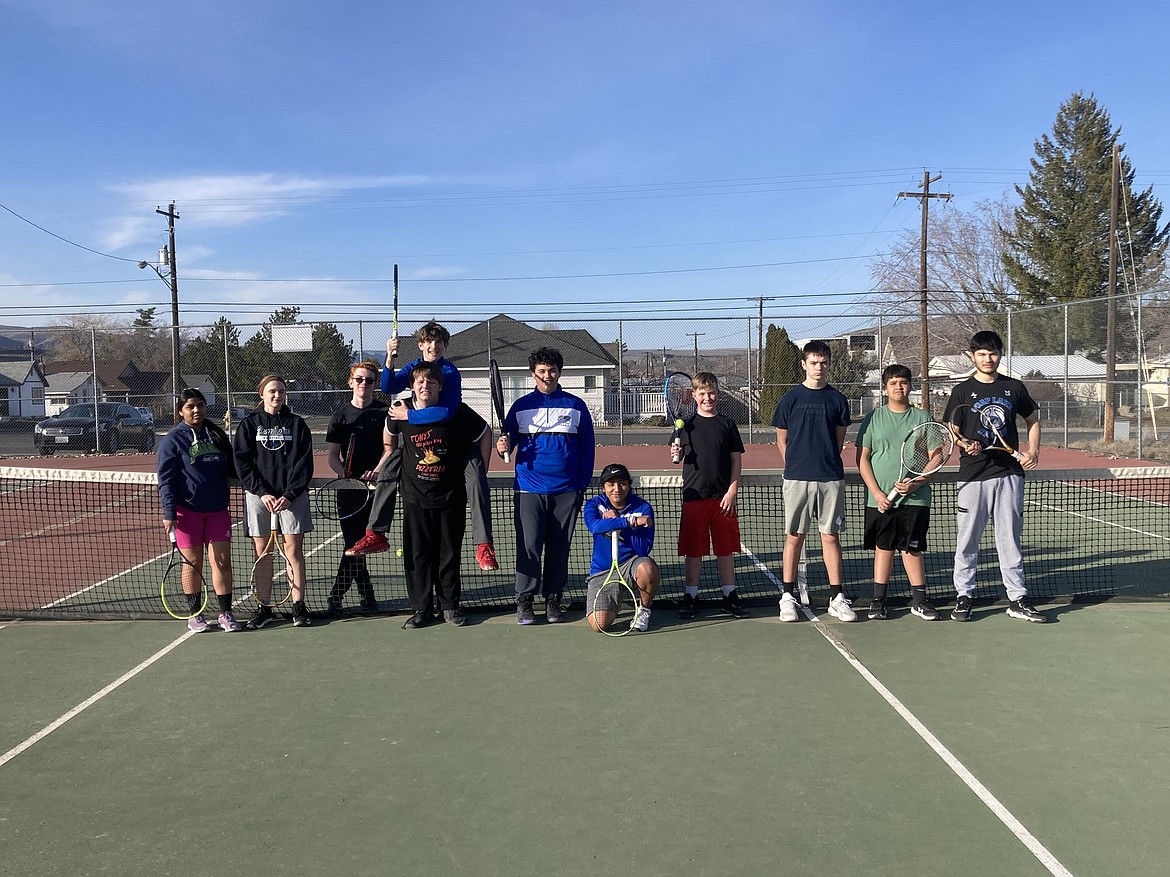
(616,365)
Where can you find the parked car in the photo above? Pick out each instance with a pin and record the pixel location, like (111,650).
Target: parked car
(145,412)
(117,426)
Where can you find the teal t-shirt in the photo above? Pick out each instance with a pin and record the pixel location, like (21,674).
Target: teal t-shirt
(882,431)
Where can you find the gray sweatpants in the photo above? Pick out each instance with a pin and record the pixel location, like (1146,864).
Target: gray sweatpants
(1002,501)
(544,528)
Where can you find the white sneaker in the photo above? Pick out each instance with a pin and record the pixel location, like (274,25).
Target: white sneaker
(788,610)
(641,622)
(841,609)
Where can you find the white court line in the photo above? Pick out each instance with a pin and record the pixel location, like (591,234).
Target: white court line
(992,803)
(90,701)
(1101,521)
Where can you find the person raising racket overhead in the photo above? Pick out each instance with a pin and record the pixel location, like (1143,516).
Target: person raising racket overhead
(897,525)
(983,409)
(432,340)
(354,443)
(274,458)
(194,464)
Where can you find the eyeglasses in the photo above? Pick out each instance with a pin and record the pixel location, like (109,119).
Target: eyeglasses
(358,380)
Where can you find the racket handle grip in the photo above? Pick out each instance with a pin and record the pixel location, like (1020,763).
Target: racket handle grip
(507,456)
(676,450)
(893,494)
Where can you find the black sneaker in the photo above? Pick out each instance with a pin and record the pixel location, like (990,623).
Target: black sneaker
(369,606)
(301,615)
(553,613)
(924,610)
(333,608)
(524,613)
(419,619)
(733,607)
(962,611)
(1022,608)
(262,617)
(689,607)
(455,617)
(877,610)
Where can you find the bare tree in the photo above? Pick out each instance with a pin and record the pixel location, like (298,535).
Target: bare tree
(966,278)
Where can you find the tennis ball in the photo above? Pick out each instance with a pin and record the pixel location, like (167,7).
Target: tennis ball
(678,423)
(398,553)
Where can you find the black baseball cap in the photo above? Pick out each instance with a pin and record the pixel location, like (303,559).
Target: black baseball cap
(615,472)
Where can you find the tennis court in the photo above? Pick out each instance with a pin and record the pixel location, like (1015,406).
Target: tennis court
(715,746)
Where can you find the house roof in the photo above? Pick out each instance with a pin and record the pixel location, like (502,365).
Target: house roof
(16,373)
(66,382)
(510,341)
(118,374)
(1053,367)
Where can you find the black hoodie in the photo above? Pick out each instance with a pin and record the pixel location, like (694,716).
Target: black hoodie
(285,471)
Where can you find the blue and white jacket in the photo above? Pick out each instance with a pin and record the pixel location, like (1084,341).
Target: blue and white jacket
(552,442)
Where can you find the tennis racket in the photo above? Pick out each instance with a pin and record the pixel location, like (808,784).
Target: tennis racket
(344,497)
(616,604)
(925,450)
(990,437)
(183,591)
(498,398)
(395,305)
(264,590)
(680,408)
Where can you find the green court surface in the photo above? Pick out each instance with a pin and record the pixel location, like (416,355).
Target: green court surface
(706,747)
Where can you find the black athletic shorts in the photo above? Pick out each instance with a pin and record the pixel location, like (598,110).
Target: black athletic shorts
(902,528)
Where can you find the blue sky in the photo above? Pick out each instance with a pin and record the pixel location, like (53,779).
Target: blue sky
(552,161)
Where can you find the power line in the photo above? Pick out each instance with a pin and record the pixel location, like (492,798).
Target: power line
(64,240)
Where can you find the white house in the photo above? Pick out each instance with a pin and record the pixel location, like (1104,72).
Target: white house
(22,390)
(68,388)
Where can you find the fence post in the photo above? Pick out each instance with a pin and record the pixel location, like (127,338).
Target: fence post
(620,387)
(1066,307)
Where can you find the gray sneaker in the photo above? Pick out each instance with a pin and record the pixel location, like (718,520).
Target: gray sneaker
(552,609)
(228,623)
(524,613)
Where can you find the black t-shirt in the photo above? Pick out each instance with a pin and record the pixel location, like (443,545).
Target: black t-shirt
(434,456)
(708,443)
(364,423)
(1002,401)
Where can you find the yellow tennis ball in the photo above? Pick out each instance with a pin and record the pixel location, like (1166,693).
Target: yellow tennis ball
(398,553)
(678,423)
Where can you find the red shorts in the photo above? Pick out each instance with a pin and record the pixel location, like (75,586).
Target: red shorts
(703,525)
(195,529)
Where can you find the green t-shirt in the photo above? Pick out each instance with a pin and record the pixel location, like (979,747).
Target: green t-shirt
(882,431)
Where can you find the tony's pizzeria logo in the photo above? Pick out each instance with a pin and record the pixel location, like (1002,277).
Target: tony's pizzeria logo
(430,452)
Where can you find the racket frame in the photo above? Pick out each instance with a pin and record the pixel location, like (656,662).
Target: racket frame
(497,389)
(395,311)
(271,549)
(945,449)
(1002,445)
(179,560)
(675,412)
(615,577)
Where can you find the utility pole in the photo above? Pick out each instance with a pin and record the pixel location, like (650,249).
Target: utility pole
(171,216)
(923,328)
(760,336)
(1111,300)
(696,336)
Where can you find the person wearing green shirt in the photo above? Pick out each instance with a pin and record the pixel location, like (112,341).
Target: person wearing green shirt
(899,526)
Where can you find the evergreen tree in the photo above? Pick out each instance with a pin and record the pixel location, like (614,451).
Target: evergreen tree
(782,370)
(1059,248)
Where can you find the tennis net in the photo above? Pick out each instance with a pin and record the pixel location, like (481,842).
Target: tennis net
(79,544)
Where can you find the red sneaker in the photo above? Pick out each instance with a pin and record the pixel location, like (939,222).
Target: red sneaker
(371,543)
(485,554)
